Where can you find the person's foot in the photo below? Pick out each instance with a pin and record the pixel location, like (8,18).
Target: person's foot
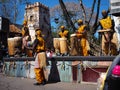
(37,84)
(43,83)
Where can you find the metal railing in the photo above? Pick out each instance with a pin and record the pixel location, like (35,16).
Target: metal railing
(65,58)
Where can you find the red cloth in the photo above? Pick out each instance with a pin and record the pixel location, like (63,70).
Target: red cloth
(116,70)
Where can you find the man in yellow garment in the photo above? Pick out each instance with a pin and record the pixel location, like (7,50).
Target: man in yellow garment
(63,34)
(26,39)
(107,26)
(24,26)
(40,57)
(82,36)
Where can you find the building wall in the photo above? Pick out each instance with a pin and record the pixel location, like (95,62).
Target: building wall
(115,7)
(91,76)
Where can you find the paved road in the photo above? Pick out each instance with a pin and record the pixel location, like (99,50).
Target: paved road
(15,83)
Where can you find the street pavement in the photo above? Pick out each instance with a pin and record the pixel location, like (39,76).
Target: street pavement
(19,83)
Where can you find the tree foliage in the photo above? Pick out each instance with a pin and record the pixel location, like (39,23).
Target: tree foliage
(11,9)
(71,11)
(75,13)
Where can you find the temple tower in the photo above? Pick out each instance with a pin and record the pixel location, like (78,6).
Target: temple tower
(37,15)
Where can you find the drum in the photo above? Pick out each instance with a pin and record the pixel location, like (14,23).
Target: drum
(11,46)
(63,45)
(14,45)
(74,45)
(110,48)
(18,45)
(18,41)
(56,43)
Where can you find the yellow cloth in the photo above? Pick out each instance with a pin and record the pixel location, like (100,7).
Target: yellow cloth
(41,44)
(106,23)
(41,56)
(23,31)
(80,32)
(63,34)
(82,35)
(25,22)
(42,59)
(39,75)
(38,33)
(84,47)
(63,42)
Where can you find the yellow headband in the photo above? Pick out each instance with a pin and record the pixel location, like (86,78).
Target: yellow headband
(80,21)
(38,32)
(62,27)
(24,22)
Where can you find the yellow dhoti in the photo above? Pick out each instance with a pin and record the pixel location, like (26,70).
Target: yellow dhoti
(84,46)
(39,75)
(40,63)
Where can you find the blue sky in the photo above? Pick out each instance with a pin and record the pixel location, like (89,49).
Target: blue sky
(52,3)
(88,3)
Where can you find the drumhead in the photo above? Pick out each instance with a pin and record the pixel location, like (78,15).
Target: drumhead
(62,38)
(72,35)
(56,38)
